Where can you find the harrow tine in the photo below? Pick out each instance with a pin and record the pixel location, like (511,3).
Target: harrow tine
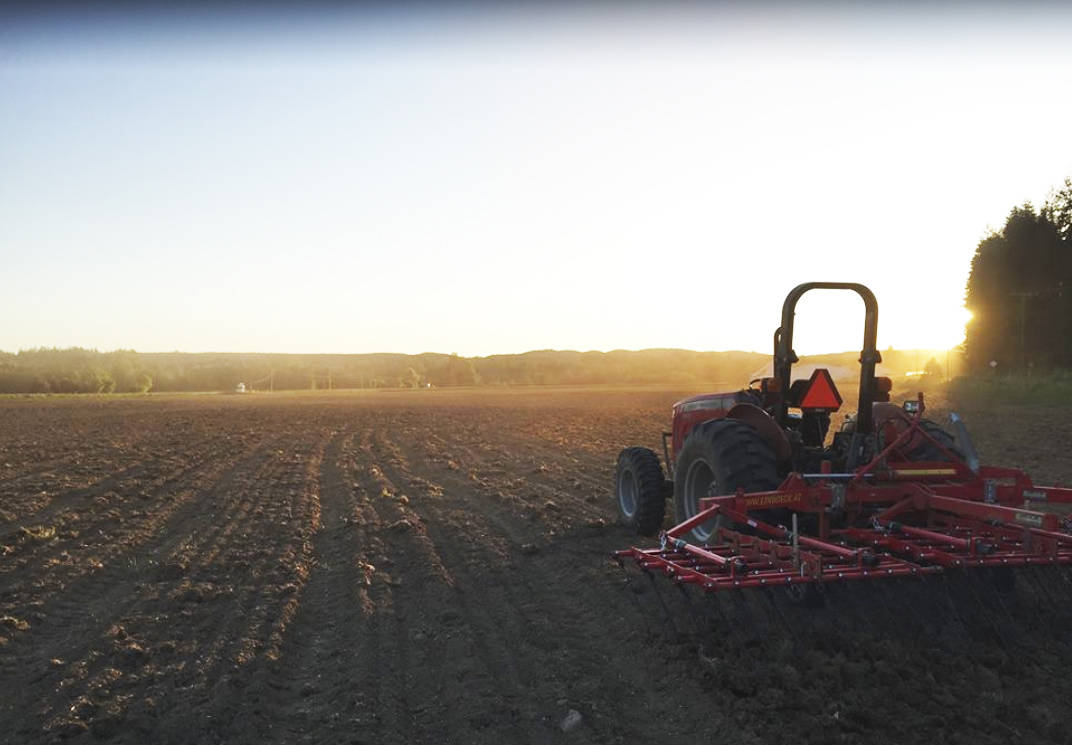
(829,596)
(631,590)
(857,604)
(1042,589)
(1061,590)
(805,611)
(882,592)
(931,600)
(697,619)
(1060,585)
(710,615)
(839,598)
(951,605)
(910,594)
(882,603)
(1039,596)
(722,627)
(691,625)
(981,597)
(739,617)
(1064,583)
(999,598)
(752,626)
(668,617)
(779,613)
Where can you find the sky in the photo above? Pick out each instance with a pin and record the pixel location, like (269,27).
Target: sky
(493,179)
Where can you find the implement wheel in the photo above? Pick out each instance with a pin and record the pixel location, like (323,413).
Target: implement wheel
(640,490)
(719,457)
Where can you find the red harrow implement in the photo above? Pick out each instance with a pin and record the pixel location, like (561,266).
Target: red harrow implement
(762,500)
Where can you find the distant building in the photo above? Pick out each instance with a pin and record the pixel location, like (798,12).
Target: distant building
(240,388)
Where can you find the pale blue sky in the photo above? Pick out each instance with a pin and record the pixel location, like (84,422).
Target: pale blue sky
(478,181)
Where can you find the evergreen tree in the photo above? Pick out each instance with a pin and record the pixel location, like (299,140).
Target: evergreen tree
(1020,290)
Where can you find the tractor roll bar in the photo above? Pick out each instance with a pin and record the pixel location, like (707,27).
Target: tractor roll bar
(784,356)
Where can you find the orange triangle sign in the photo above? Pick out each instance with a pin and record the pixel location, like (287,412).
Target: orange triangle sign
(822,394)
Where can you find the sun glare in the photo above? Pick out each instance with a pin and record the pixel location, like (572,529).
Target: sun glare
(924,328)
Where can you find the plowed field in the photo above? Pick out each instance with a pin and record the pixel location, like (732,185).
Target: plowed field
(432,567)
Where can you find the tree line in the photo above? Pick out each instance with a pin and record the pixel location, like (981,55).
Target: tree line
(1020,290)
(79,370)
(126,371)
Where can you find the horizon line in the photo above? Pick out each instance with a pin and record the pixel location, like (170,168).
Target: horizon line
(470,357)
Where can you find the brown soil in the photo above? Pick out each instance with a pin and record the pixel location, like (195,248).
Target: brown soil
(433,567)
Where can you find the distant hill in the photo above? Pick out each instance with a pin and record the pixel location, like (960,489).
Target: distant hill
(81,370)
(896,363)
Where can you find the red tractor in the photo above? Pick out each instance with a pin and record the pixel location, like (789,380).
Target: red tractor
(763,496)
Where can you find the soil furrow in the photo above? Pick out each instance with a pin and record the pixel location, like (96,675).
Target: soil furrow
(433,567)
(472,556)
(98,606)
(308,665)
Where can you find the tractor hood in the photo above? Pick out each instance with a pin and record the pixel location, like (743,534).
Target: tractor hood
(715,401)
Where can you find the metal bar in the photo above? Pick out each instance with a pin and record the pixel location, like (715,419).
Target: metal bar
(903,505)
(900,546)
(784,356)
(698,519)
(1012,515)
(944,538)
(778,532)
(1055,494)
(912,427)
(726,561)
(914,473)
(848,553)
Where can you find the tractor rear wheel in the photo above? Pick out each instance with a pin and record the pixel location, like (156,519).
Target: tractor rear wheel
(719,457)
(640,489)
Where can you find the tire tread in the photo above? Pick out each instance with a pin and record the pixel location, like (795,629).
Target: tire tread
(651,489)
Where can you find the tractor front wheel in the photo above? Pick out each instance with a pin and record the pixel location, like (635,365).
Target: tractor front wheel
(640,490)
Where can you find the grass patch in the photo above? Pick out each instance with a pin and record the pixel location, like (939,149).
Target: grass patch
(1043,389)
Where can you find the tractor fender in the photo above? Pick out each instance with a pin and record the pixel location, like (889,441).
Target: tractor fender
(890,421)
(768,429)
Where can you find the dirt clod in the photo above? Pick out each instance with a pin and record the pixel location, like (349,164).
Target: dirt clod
(571,721)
